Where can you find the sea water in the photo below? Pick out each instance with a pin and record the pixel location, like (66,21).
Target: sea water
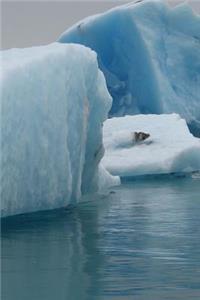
(139,242)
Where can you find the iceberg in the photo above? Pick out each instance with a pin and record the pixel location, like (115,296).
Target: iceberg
(171,148)
(53,103)
(150,56)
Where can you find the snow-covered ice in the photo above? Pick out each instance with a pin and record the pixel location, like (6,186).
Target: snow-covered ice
(150,56)
(53,103)
(171,148)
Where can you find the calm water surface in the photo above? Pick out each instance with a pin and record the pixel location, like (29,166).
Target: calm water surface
(141,242)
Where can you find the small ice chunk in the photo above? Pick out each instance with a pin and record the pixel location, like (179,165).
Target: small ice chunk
(170,148)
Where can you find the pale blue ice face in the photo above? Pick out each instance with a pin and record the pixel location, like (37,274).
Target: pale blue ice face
(54,101)
(150,56)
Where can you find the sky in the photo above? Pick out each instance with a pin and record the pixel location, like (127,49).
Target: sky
(31,23)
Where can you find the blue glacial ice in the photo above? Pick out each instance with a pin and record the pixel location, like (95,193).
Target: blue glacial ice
(171,148)
(150,56)
(53,103)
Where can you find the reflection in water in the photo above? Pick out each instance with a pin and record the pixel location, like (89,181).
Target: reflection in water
(141,242)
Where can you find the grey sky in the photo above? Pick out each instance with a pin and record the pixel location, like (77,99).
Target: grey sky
(29,23)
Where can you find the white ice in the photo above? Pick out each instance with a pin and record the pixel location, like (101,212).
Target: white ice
(171,148)
(53,103)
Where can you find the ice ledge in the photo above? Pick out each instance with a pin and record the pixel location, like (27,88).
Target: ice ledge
(171,148)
